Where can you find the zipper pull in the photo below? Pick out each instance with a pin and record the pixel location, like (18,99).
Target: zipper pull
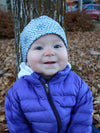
(46,88)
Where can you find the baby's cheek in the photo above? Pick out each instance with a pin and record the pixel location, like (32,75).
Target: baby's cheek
(64,61)
(64,58)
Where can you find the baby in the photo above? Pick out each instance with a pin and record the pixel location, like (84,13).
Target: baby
(48,97)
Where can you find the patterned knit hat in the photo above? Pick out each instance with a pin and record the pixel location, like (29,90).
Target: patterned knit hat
(36,28)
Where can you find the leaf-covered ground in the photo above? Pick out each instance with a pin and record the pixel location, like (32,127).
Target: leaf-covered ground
(84,56)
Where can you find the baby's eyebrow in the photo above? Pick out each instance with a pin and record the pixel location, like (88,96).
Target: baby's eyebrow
(39,44)
(58,42)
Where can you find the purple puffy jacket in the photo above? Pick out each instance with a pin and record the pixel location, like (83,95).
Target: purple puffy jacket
(62,105)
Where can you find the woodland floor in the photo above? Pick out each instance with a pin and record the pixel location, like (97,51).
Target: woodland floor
(84,56)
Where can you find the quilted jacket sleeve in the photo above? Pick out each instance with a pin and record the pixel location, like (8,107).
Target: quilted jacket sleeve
(81,121)
(15,119)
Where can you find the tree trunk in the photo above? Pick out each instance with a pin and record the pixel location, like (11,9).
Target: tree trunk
(80,5)
(25,10)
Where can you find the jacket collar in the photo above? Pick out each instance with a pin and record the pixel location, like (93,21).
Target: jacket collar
(29,74)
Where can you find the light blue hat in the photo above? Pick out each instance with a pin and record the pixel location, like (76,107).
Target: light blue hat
(36,28)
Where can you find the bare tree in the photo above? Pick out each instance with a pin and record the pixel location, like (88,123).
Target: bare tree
(80,4)
(25,10)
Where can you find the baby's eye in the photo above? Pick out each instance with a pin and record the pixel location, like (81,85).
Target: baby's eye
(57,46)
(38,48)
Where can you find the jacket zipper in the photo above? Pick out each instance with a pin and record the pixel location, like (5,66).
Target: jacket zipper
(53,107)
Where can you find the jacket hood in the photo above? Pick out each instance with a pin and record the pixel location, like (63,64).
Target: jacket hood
(26,70)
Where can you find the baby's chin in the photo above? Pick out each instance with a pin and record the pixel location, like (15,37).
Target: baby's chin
(51,73)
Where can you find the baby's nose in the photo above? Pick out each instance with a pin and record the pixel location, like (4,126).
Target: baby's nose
(49,52)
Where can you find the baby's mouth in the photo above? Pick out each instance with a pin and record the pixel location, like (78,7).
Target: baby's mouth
(50,62)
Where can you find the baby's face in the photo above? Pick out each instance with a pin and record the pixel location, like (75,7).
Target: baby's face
(47,55)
